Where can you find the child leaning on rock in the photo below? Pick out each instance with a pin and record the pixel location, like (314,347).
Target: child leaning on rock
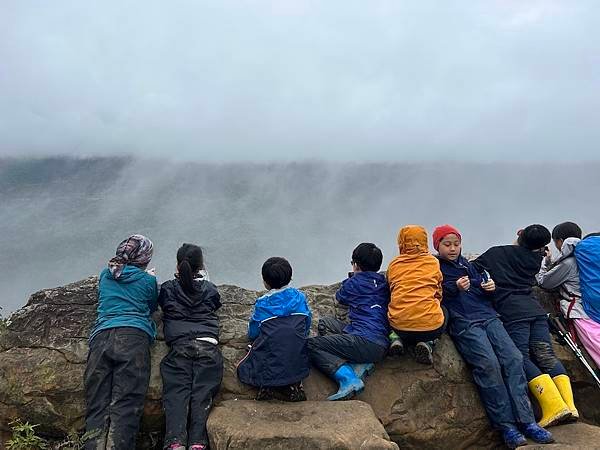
(480,337)
(563,273)
(346,351)
(513,268)
(415,313)
(193,369)
(277,360)
(118,365)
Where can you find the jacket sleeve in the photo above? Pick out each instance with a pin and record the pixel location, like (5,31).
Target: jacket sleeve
(554,277)
(153,295)
(481,262)
(342,295)
(449,289)
(253,326)
(258,315)
(162,296)
(215,299)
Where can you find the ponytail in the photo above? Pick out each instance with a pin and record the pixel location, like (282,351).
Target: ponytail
(189,262)
(186,277)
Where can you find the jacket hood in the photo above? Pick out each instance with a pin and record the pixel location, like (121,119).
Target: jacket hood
(129,274)
(568,247)
(284,301)
(412,240)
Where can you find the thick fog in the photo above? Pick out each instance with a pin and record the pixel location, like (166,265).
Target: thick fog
(61,219)
(250,80)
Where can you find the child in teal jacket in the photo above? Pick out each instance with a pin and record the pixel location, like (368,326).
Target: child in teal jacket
(118,366)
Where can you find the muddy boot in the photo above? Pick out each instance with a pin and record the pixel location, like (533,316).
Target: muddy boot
(349,383)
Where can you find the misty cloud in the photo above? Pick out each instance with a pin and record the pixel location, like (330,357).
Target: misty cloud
(271,80)
(61,219)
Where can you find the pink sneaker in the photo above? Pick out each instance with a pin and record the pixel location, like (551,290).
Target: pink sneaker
(176,446)
(197,447)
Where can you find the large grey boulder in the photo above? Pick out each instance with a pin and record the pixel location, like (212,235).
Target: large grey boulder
(43,354)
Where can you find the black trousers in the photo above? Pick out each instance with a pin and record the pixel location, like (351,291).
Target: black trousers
(116,380)
(192,372)
(414,337)
(333,348)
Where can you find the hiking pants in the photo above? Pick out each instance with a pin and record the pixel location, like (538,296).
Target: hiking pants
(191,373)
(334,348)
(497,369)
(116,380)
(532,338)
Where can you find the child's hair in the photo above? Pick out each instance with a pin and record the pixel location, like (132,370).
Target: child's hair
(276,272)
(534,237)
(566,230)
(368,257)
(189,262)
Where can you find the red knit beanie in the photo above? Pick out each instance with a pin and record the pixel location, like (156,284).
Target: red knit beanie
(441,232)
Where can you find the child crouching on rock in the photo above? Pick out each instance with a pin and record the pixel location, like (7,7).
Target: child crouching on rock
(193,369)
(346,351)
(415,313)
(118,365)
(277,360)
(480,337)
(513,268)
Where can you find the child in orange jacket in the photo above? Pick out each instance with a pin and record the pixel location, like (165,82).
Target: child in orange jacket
(415,313)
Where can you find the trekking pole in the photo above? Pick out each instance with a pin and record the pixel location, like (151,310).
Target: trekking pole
(566,336)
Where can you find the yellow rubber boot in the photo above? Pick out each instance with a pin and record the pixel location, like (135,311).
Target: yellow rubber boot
(554,408)
(563,383)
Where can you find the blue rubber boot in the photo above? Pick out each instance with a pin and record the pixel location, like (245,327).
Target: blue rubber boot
(363,370)
(537,434)
(513,438)
(349,383)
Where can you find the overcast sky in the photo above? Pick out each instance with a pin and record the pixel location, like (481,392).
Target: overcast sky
(290,79)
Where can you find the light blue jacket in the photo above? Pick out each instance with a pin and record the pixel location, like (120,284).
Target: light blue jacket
(278,303)
(126,302)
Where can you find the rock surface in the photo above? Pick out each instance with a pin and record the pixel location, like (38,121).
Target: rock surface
(243,424)
(43,354)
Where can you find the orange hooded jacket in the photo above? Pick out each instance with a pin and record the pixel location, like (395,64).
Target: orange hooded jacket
(415,283)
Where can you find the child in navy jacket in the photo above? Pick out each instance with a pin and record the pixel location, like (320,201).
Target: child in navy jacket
(346,351)
(277,361)
(480,337)
(192,371)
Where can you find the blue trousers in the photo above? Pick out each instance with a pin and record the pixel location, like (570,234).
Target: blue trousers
(497,368)
(532,338)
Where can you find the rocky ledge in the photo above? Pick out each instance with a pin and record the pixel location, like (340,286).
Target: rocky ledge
(43,354)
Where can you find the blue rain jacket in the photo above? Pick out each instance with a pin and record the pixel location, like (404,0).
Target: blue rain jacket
(367,295)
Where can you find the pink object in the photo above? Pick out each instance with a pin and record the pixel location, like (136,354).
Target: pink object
(197,447)
(588,333)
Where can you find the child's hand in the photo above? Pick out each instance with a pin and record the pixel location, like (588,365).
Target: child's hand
(489,285)
(463,283)
(152,271)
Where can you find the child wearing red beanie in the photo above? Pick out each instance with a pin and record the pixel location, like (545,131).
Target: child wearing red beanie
(480,337)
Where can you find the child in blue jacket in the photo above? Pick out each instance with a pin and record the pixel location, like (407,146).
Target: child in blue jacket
(480,337)
(277,361)
(346,351)
(118,365)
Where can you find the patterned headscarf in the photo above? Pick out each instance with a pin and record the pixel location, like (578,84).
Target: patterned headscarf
(136,251)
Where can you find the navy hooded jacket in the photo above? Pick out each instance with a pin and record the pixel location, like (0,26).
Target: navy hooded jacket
(367,294)
(473,304)
(278,329)
(186,316)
